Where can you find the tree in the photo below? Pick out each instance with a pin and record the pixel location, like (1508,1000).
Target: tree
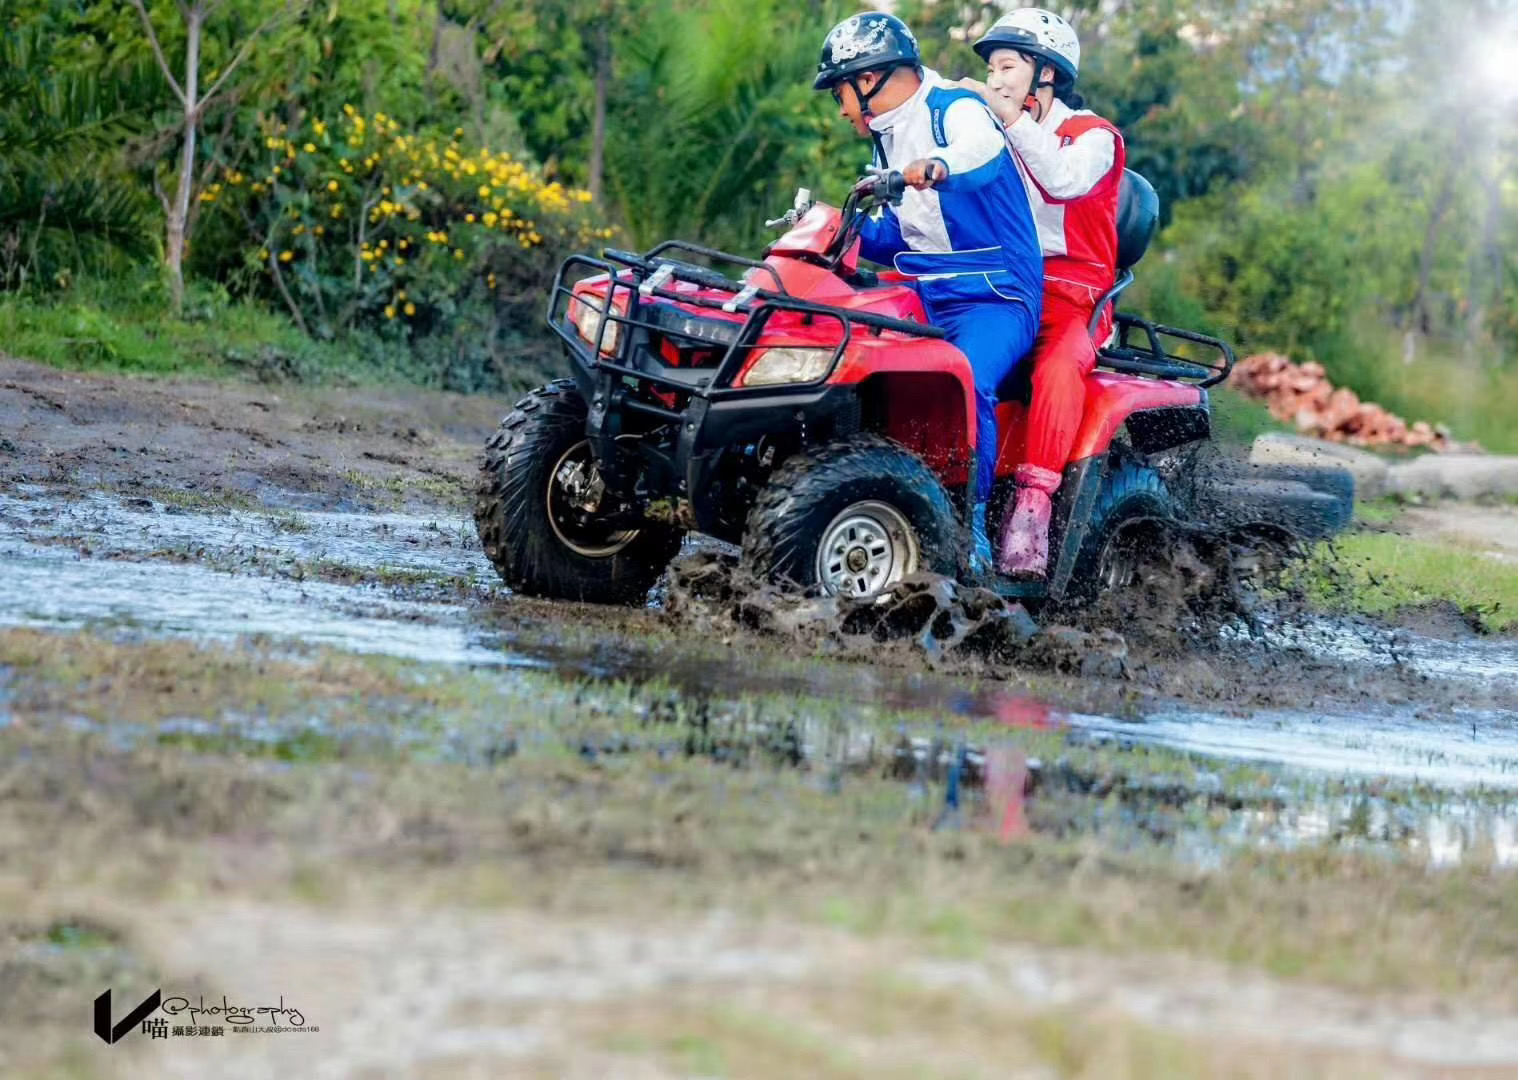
(195,16)
(66,200)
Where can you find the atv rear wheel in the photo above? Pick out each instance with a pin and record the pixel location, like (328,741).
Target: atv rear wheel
(1133,512)
(852,518)
(536,509)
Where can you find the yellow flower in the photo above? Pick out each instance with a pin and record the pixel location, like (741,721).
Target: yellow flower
(457,254)
(309,148)
(484,192)
(331,185)
(286,256)
(319,127)
(458,133)
(399,261)
(490,220)
(410,309)
(490,280)
(276,170)
(337,210)
(349,110)
(390,312)
(299,229)
(469,218)
(421,185)
(401,295)
(469,169)
(320,230)
(263,254)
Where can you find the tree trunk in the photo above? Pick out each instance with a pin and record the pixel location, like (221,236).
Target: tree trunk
(179,209)
(1422,316)
(598,116)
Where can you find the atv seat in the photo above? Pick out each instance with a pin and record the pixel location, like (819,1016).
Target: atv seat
(1138,215)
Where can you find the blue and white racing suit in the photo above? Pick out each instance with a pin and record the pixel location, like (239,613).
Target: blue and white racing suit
(969,241)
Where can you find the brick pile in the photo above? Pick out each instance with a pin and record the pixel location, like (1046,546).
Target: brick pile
(1301,395)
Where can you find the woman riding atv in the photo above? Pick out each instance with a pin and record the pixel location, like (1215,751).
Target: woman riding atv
(1072,161)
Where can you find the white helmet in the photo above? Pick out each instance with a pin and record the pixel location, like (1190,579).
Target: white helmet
(1038,33)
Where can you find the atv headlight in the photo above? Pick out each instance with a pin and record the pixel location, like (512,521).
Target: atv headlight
(587,319)
(774,367)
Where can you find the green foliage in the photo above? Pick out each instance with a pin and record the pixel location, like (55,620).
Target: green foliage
(715,124)
(66,203)
(357,226)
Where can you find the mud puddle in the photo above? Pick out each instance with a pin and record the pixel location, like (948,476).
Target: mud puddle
(102,560)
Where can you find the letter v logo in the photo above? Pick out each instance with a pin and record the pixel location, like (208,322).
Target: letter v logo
(110,1033)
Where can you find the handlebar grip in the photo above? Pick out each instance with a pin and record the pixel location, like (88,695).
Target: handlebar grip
(896,185)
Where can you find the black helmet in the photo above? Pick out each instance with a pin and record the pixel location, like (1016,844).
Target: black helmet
(865,42)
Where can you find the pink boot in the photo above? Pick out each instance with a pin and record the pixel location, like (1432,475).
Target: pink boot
(1024,548)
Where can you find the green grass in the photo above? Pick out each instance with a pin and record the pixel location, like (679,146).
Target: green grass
(1378,573)
(125,326)
(1237,420)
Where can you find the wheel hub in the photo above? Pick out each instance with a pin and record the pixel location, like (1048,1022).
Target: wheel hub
(865,550)
(575,490)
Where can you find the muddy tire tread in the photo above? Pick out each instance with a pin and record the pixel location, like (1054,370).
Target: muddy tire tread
(510,512)
(1130,490)
(781,524)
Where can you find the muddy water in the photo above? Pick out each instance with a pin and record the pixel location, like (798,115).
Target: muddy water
(100,560)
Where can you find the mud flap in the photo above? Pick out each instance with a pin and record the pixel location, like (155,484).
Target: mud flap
(1073,506)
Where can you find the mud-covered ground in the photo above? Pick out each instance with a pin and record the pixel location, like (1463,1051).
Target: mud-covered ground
(269,726)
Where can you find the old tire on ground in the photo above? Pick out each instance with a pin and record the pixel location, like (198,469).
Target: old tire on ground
(1289,508)
(1339,483)
(1133,512)
(851,517)
(539,541)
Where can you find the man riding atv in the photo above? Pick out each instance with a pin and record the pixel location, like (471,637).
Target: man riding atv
(964,231)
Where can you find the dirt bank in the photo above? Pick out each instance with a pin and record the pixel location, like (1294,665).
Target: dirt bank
(285,446)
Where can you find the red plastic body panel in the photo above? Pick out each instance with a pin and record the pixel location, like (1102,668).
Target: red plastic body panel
(924,386)
(1112,398)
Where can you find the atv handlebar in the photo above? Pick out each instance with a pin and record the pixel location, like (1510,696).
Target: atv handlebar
(880,186)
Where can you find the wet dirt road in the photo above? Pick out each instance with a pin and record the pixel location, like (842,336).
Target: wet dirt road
(203,513)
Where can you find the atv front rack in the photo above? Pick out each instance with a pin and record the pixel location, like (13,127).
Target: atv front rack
(626,319)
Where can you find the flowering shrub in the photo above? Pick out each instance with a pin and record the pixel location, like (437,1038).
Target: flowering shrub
(355,225)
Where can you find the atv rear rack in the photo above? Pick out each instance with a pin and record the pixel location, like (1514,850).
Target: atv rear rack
(1152,359)
(634,278)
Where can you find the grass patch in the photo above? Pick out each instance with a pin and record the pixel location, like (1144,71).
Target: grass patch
(1238,420)
(525,789)
(1380,573)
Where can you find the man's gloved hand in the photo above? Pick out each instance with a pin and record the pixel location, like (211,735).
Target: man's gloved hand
(874,175)
(925,172)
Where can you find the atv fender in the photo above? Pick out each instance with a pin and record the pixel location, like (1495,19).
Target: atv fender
(1159,414)
(921,394)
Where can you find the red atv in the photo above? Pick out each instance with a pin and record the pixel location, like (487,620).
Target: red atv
(807,411)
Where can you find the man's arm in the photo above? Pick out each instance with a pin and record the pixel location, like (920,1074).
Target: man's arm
(975,146)
(1064,171)
(880,237)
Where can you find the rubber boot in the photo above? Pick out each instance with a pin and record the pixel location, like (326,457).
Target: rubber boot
(1024,548)
(980,541)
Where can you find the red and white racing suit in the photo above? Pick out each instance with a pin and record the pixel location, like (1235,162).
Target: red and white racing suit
(1072,164)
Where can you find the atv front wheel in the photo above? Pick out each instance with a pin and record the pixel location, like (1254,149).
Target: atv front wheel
(1132,512)
(536,509)
(852,517)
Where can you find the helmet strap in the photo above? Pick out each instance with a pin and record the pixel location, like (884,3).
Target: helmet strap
(864,98)
(1032,104)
